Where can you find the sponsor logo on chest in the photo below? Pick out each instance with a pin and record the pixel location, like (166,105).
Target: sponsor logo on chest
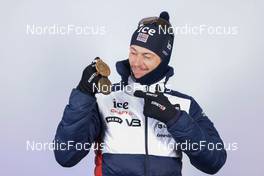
(122,114)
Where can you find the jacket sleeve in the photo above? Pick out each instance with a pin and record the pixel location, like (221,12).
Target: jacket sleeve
(195,128)
(79,128)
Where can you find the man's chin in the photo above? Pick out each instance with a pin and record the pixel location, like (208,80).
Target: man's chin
(138,76)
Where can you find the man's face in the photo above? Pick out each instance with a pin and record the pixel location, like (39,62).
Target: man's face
(142,60)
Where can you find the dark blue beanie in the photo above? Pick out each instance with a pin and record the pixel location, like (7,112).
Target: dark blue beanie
(160,41)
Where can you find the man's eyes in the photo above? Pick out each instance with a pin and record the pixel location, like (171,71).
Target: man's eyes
(147,57)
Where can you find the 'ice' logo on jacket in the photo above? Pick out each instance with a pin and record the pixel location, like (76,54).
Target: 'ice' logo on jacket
(120,105)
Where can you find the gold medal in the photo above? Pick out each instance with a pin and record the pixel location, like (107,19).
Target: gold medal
(102,68)
(104,85)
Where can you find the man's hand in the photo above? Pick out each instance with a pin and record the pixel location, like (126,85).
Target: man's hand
(158,106)
(89,78)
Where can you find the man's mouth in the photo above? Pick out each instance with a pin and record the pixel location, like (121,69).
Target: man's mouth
(138,70)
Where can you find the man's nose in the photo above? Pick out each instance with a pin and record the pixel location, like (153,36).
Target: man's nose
(138,60)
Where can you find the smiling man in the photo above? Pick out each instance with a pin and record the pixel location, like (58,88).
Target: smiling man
(144,131)
(142,61)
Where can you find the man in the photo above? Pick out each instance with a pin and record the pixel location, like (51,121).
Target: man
(144,129)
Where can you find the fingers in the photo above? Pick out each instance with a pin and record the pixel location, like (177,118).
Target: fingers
(91,68)
(93,63)
(140,94)
(97,58)
(177,106)
(145,95)
(149,95)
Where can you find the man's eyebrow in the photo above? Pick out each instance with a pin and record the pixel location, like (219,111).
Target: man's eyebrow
(147,54)
(133,49)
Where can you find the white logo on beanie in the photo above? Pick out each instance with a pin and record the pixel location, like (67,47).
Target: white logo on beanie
(165,53)
(147,30)
(142,37)
(169,45)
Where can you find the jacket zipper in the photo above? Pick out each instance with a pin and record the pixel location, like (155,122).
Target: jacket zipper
(146,148)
